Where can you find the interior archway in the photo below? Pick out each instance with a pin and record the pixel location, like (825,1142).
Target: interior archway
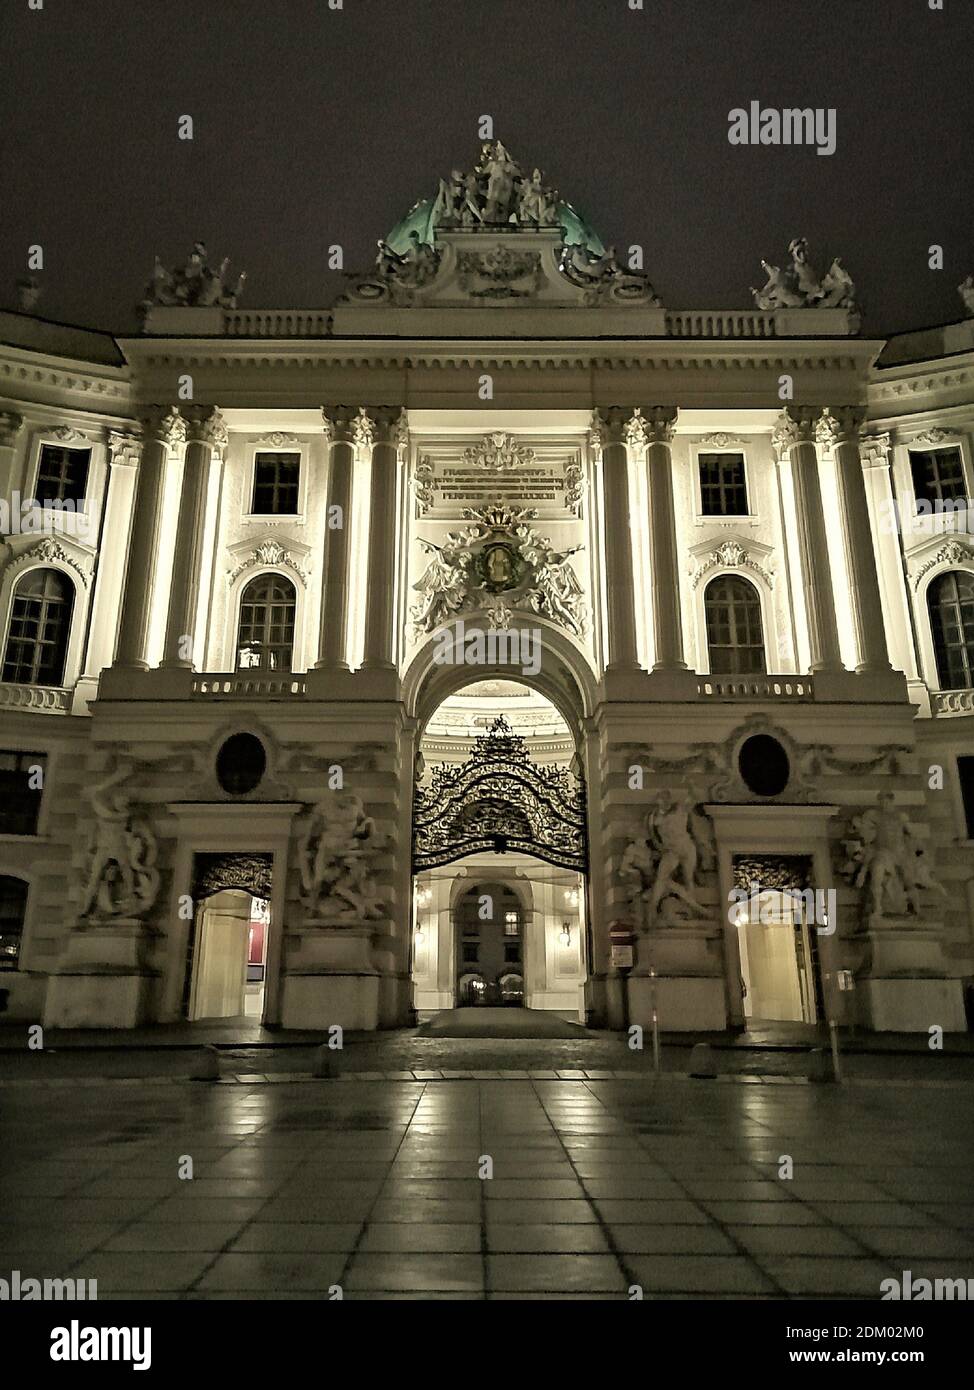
(450,953)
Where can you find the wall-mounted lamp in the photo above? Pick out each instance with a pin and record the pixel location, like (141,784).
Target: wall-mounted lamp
(571,897)
(424,896)
(565,935)
(420,936)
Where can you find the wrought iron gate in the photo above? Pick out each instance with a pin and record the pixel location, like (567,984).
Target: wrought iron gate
(502,801)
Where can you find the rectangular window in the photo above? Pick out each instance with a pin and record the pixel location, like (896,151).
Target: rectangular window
(13,910)
(723,485)
(512,952)
(20,802)
(276,478)
(471,953)
(512,924)
(938,475)
(63,474)
(965,774)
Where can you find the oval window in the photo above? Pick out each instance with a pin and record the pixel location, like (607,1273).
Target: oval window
(240,764)
(764,765)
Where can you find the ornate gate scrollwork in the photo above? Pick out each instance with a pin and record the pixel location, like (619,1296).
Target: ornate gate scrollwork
(251,873)
(500,800)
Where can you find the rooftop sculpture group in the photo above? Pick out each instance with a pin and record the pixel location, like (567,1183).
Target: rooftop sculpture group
(498,195)
(799,287)
(495,191)
(194,284)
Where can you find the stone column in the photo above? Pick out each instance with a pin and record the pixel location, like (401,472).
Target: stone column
(840,434)
(794,437)
(390,440)
(346,433)
(206,433)
(123,462)
(607,436)
(657,430)
(163,431)
(11,425)
(875,451)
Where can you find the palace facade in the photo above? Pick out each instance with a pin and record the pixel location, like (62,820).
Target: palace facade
(496,635)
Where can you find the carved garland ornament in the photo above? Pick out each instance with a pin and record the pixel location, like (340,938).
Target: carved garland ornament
(269,553)
(499,453)
(48,550)
(733,555)
(953,553)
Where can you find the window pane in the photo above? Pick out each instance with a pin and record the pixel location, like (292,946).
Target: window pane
(950,602)
(40,621)
(735,636)
(276,478)
(723,487)
(20,803)
(265,639)
(13,910)
(62,474)
(938,474)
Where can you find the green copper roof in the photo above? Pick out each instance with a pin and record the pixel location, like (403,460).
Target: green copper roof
(577,231)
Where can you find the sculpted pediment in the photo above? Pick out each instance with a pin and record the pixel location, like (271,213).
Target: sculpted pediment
(499,238)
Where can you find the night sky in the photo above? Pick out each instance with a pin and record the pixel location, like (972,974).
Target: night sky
(316,126)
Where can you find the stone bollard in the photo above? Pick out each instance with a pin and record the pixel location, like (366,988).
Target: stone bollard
(821,1067)
(323,1062)
(702,1064)
(206,1064)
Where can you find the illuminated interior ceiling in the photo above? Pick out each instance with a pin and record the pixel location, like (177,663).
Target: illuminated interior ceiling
(471,711)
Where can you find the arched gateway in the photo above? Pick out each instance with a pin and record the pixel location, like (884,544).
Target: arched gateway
(500,855)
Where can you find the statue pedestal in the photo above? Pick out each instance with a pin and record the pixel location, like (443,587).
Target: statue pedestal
(103,979)
(331,976)
(688,988)
(902,982)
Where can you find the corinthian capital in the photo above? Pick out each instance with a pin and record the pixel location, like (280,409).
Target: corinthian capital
(795,425)
(637,430)
(205,425)
(659,423)
(874,450)
(164,424)
(363,429)
(839,427)
(339,422)
(608,426)
(10,426)
(123,449)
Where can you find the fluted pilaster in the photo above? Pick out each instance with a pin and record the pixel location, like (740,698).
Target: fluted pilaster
(391,438)
(608,440)
(163,432)
(794,440)
(838,432)
(206,435)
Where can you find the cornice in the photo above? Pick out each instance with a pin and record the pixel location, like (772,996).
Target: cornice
(22,368)
(541,353)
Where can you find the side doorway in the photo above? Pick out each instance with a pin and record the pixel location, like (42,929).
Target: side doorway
(226,963)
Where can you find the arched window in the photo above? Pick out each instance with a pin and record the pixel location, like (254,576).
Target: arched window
(735,638)
(40,621)
(13,910)
(265,641)
(950,603)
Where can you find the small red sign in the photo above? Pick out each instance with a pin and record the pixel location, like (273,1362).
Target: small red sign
(621,933)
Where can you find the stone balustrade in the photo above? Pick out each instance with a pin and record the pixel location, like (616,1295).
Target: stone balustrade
(755,688)
(49,699)
(243,685)
(947,702)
